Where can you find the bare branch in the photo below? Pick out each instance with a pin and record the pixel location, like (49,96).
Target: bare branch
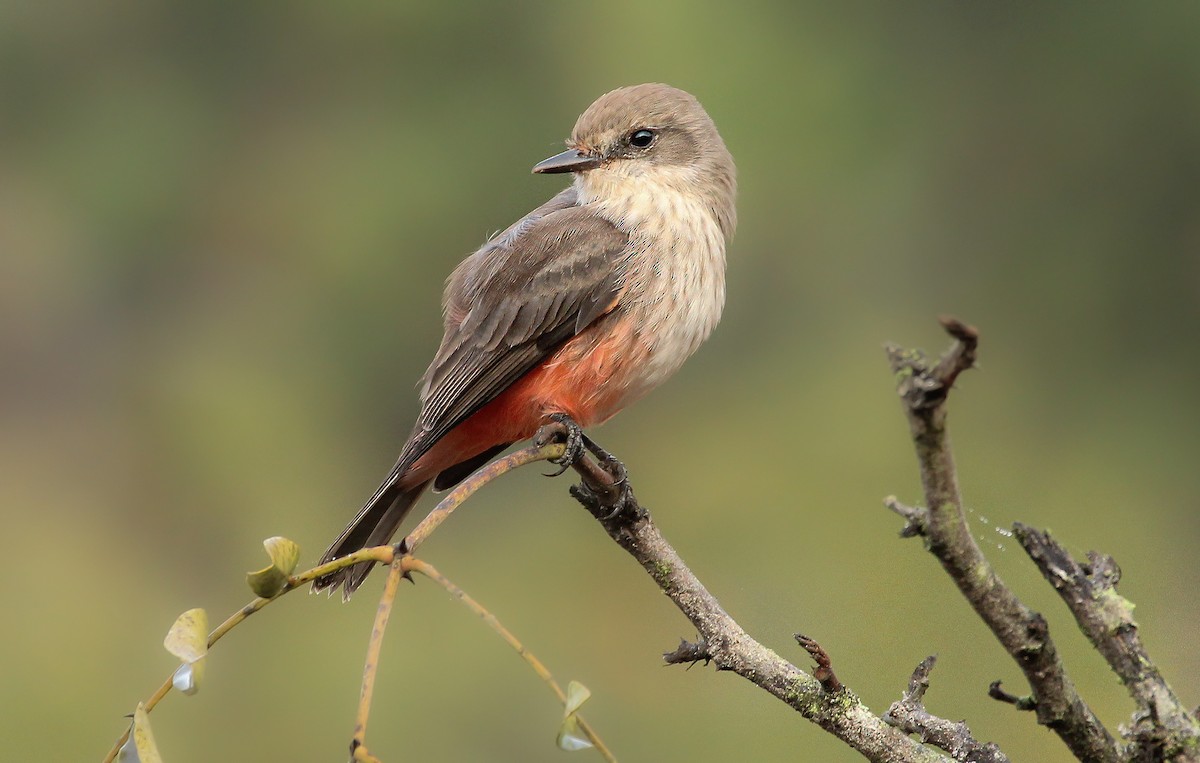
(730,647)
(910,715)
(923,388)
(1163,727)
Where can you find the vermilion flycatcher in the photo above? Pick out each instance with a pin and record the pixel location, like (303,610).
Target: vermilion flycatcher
(579,308)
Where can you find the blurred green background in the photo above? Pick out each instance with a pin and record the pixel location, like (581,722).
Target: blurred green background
(224,227)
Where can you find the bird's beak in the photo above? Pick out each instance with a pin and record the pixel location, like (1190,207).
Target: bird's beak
(571,160)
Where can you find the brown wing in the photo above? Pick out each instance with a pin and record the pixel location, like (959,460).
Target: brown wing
(508,306)
(511,304)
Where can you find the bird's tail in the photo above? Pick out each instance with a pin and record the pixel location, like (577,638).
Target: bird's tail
(375,525)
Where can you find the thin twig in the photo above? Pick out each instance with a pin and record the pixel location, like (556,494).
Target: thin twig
(467,488)
(384,554)
(378,554)
(1021,703)
(909,714)
(358,744)
(923,388)
(915,516)
(428,570)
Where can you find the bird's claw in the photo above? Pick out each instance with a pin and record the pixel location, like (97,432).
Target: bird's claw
(624,500)
(562,428)
(614,468)
(609,504)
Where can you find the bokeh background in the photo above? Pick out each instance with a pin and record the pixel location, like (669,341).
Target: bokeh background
(223,231)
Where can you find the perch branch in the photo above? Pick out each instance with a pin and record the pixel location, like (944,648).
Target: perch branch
(923,388)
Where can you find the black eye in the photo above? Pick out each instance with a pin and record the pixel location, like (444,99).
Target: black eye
(641,138)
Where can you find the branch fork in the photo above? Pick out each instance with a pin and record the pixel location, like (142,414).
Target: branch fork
(1163,728)
(909,715)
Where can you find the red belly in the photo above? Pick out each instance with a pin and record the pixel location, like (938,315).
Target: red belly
(587,378)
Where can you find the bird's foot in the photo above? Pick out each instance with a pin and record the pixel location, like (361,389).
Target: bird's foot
(624,502)
(618,503)
(562,428)
(620,498)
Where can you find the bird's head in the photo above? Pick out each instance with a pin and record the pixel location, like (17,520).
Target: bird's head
(653,136)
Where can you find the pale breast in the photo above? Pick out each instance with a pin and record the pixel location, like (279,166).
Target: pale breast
(675,278)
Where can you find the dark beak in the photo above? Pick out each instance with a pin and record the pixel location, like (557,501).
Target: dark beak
(571,160)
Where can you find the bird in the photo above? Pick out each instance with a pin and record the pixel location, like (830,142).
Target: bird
(576,310)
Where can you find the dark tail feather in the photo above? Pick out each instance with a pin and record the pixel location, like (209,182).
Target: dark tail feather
(375,525)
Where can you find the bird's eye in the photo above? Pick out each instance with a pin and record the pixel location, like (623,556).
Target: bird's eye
(641,138)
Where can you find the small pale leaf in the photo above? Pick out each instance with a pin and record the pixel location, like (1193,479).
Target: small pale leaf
(285,554)
(268,582)
(140,747)
(188,637)
(570,736)
(577,694)
(189,676)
